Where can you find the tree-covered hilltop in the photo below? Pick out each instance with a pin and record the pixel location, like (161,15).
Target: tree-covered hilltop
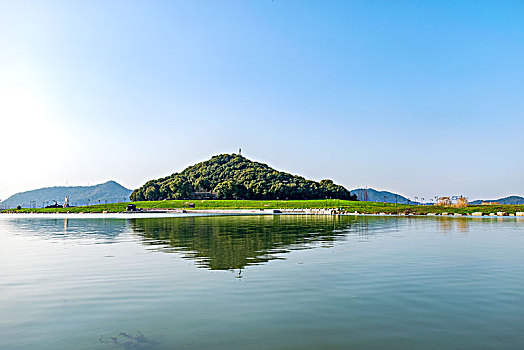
(232,176)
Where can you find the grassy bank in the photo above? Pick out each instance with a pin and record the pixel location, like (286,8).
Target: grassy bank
(351,206)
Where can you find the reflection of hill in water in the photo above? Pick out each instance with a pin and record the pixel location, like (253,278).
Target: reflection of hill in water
(232,242)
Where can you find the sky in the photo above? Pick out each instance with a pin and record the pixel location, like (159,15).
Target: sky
(422,98)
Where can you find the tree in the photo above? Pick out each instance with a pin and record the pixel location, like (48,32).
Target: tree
(151,193)
(202,184)
(230,190)
(180,188)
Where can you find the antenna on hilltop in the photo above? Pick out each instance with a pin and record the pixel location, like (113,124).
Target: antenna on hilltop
(240,151)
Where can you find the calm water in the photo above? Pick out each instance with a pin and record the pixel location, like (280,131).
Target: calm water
(261,282)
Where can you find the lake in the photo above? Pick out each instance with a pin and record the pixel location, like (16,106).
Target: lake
(261,282)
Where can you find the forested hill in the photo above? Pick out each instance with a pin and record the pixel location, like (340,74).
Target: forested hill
(232,176)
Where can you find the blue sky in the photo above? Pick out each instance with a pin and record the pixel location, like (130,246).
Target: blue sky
(422,98)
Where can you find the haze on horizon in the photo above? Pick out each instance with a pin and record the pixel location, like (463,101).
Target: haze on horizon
(418,98)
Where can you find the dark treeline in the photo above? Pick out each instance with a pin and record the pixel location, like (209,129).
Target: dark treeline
(231,176)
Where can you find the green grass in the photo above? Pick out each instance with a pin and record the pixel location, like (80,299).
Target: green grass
(351,206)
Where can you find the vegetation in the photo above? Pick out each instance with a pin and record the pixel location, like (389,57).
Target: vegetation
(345,205)
(231,176)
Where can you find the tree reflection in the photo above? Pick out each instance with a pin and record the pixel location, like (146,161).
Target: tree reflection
(233,242)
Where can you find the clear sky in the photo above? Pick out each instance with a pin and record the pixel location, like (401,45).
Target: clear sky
(422,98)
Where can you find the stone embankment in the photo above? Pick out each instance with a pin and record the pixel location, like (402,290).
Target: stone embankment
(343,212)
(329,211)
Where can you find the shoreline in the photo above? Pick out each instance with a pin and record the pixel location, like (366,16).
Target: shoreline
(242,212)
(323,206)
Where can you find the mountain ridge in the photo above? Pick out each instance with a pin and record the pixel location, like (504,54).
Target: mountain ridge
(378,196)
(514,200)
(110,191)
(374,195)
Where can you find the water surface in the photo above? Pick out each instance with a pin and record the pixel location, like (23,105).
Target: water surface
(261,282)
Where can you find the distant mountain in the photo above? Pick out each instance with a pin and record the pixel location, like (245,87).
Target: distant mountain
(380,196)
(109,192)
(506,200)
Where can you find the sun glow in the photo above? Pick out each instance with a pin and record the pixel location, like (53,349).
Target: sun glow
(26,121)
(29,131)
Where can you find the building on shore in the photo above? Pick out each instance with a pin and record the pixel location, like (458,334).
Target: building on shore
(453,201)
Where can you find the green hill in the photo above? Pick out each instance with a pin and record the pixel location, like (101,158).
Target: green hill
(232,176)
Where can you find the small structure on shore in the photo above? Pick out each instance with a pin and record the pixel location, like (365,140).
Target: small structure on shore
(131,208)
(204,195)
(444,201)
(453,201)
(55,205)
